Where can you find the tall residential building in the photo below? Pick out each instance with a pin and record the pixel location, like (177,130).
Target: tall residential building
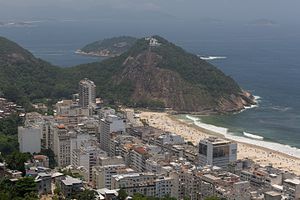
(110,124)
(62,146)
(138,157)
(87,93)
(86,157)
(35,119)
(29,139)
(217,152)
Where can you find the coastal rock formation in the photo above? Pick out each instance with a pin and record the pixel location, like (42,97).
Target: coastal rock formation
(153,70)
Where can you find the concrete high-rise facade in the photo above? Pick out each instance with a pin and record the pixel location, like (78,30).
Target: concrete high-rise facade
(87,93)
(62,146)
(111,124)
(29,139)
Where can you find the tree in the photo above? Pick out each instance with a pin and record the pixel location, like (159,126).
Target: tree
(16,160)
(57,190)
(86,195)
(122,194)
(138,196)
(168,198)
(212,198)
(26,187)
(9,125)
(50,154)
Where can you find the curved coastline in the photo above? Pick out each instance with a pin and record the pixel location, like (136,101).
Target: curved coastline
(247,148)
(281,148)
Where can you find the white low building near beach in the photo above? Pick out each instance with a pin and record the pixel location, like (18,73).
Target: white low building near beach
(217,152)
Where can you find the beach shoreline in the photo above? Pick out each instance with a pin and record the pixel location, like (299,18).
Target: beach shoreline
(193,133)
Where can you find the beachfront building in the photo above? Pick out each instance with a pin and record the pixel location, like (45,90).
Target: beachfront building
(217,152)
(87,93)
(291,188)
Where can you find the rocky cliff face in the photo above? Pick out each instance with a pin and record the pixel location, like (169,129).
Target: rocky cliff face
(150,81)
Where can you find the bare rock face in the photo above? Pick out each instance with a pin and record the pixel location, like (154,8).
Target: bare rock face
(167,86)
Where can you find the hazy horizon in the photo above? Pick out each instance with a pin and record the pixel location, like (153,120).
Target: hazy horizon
(275,11)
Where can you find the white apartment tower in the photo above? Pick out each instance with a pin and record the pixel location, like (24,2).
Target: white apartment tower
(87,93)
(29,139)
(111,124)
(62,146)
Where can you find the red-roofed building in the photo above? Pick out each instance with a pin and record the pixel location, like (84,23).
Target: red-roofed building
(138,157)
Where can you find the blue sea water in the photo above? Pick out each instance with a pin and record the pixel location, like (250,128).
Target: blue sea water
(262,59)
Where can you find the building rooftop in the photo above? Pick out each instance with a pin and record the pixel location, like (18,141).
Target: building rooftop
(104,191)
(57,174)
(70,181)
(273,193)
(141,150)
(215,141)
(61,126)
(293,181)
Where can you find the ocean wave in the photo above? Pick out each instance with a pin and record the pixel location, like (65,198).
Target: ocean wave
(257,98)
(211,57)
(282,148)
(250,107)
(209,127)
(253,136)
(282,109)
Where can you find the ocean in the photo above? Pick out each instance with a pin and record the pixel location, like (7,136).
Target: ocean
(262,59)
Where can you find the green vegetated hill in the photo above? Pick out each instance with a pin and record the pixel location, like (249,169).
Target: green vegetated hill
(24,77)
(108,47)
(154,76)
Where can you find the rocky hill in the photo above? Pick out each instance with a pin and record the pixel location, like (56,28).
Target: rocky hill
(153,73)
(164,73)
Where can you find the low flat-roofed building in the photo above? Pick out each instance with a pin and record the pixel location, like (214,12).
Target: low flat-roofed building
(71,186)
(217,152)
(272,195)
(143,183)
(43,182)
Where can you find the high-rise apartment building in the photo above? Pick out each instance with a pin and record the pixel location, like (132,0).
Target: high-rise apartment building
(62,146)
(29,139)
(87,93)
(111,124)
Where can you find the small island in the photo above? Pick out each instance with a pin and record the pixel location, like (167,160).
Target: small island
(111,47)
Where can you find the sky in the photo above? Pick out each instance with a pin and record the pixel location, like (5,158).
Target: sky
(281,11)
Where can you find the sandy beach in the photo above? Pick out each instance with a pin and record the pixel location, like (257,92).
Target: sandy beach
(192,133)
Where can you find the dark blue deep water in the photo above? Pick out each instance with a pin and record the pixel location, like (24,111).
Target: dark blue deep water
(262,59)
